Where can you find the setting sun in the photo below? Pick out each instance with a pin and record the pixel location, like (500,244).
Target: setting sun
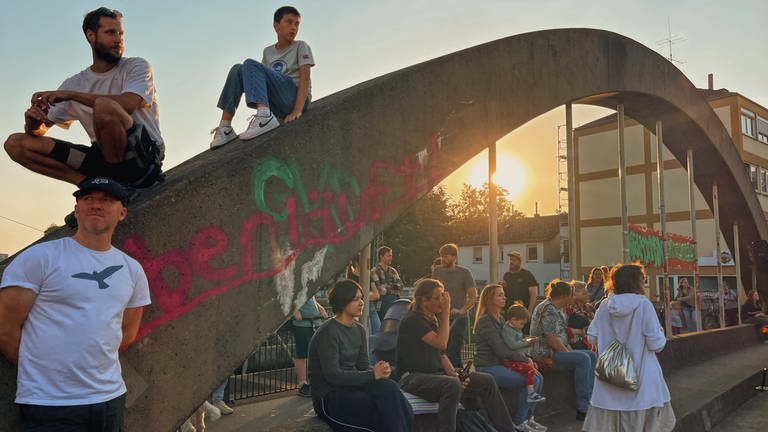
(510,174)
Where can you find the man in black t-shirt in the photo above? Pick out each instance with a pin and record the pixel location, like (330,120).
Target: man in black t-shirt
(519,284)
(425,370)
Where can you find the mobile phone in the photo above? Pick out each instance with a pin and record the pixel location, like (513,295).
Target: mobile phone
(531,339)
(464,372)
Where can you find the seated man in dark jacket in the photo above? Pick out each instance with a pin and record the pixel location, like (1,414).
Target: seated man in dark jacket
(425,369)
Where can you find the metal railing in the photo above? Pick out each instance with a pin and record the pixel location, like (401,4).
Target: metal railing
(268,370)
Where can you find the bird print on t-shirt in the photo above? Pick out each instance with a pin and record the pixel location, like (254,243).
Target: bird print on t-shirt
(99,276)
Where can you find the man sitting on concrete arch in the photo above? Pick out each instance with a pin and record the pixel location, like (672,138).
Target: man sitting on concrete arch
(113,99)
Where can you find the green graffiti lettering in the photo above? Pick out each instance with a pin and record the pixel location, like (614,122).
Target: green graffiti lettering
(264,169)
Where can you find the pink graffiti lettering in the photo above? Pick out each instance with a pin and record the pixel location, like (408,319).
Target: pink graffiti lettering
(303,228)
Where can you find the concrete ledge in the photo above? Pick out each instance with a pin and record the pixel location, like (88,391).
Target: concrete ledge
(688,349)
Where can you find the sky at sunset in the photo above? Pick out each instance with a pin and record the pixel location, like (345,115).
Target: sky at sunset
(191,45)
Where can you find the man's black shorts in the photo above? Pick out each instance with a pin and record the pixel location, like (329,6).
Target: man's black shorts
(100,417)
(141,168)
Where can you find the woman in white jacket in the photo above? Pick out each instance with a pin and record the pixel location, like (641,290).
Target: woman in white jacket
(613,408)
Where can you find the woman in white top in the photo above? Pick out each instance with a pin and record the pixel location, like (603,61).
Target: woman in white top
(629,316)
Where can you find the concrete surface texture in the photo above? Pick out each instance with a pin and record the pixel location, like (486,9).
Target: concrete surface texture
(240,236)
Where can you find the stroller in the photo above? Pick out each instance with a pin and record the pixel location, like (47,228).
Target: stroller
(384,342)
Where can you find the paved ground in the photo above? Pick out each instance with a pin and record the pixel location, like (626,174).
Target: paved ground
(750,417)
(267,414)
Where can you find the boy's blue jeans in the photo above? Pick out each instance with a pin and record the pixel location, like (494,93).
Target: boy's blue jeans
(261,85)
(583,364)
(218,394)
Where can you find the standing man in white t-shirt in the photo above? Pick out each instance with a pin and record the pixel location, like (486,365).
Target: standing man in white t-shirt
(66,307)
(114,99)
(279,85)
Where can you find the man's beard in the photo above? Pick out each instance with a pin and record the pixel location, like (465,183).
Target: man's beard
(103,53)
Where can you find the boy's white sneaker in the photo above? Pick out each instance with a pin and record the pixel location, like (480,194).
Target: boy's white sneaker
(258,125)
(222,135)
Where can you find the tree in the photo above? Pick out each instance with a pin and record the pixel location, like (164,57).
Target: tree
(470,212)
(418,233)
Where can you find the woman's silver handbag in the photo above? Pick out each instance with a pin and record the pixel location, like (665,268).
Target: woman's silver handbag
(615,365)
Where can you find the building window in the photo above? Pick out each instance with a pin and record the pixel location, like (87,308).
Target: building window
(764,180)
(477,255)
(532,253)
(752,172)
(748,123)
(762,130)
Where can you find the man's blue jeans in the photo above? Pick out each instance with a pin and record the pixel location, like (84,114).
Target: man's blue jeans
(374,327)
(261,85)
(508,379)
(583,364)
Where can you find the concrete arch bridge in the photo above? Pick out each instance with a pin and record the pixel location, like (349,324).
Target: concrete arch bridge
(236,238)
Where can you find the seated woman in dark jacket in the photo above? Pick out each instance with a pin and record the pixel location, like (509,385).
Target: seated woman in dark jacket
(491,351)
(346,392)
(752,310)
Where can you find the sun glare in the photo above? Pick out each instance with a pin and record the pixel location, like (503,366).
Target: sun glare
(510,174)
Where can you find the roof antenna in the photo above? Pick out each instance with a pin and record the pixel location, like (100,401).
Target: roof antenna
(669,41)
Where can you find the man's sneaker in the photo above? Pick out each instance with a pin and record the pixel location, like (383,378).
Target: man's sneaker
(223,407)
(259,125)
(536,425)
(524,427)
(222,135)
(535,397)
(211,411)
(305,390)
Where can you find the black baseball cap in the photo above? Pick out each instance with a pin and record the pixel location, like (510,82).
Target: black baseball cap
(104,184)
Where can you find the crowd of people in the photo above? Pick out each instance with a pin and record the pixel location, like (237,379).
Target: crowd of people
(567,331)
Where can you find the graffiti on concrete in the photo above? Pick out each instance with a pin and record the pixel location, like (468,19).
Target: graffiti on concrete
(295,217)
(645,245)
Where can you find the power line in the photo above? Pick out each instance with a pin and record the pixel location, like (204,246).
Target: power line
(22,224)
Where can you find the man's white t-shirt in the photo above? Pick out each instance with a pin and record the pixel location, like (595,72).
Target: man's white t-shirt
(131,75)
(288,60)
(68,353)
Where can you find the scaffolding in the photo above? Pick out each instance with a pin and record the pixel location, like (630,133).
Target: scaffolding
(562,199)
(562,170)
